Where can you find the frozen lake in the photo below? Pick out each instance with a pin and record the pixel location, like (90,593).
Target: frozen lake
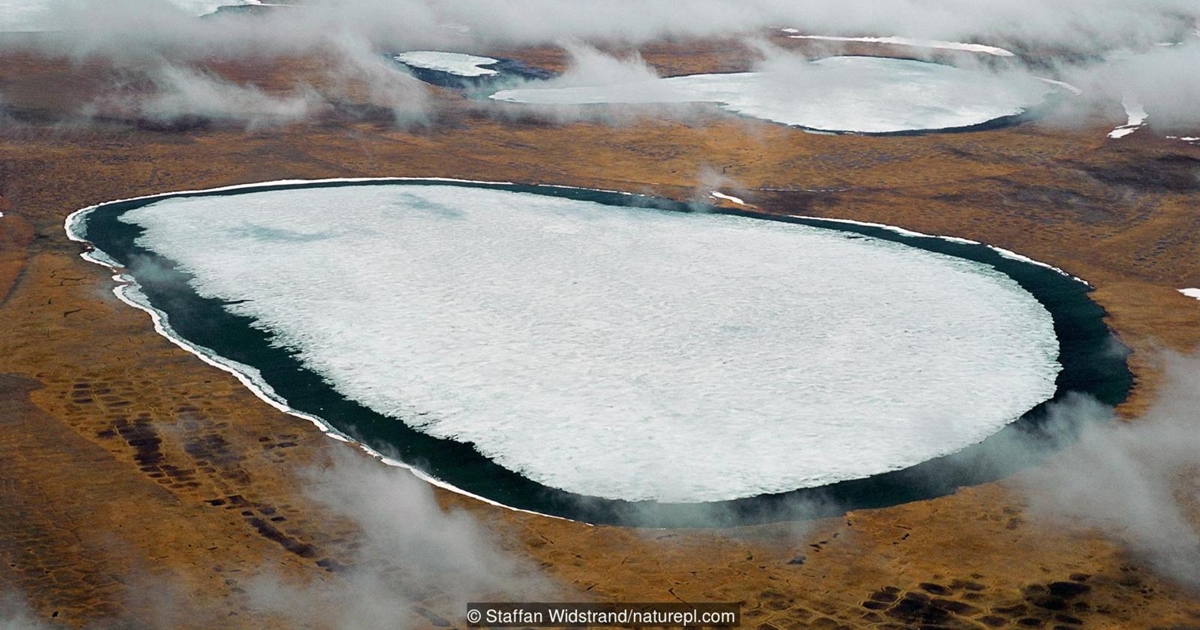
(620,352)
(836,94)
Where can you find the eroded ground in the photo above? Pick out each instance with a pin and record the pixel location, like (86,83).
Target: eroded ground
(140,487)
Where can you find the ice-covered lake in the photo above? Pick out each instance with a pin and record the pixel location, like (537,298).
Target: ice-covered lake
(621,352)
(836,94)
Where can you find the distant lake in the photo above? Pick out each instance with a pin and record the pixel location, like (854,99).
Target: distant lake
(845,94)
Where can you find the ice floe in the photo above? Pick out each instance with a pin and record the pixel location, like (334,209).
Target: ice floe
(620,352)
(839,94)
(458,64)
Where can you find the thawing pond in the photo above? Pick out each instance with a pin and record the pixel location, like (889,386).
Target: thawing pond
(577,353)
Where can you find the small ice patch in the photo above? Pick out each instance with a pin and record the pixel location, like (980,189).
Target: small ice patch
(719,195)
(458,64)
(622,352)
(1137,117)
(906,41)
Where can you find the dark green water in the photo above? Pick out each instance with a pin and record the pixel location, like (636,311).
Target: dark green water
(1093,364)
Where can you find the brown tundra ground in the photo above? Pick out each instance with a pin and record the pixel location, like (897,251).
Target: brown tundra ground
(140,487)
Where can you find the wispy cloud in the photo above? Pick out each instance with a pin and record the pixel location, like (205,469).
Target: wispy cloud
(182,93)
(354,34)
(16,615)
(1134,480)
(412,552)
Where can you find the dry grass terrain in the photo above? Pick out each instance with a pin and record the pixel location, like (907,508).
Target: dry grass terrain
(126,462)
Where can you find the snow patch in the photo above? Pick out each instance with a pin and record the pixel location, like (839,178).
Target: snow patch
(719,195)
(1137,118)
(1192,293)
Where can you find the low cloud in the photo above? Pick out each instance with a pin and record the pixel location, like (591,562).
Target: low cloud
(354,35)
(360,74)
(589,66)
(1162,79)
(590,69)
(413,563)
(181,93)
(1075,24)
(1071,23)
(1136,481)
(16,615)
(411,552)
